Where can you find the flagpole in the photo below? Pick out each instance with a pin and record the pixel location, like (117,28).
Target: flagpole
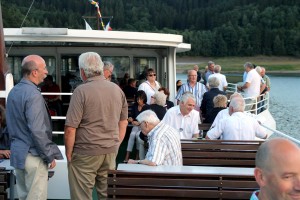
(3,64)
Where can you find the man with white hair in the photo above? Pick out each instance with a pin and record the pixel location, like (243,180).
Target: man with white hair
(251,86)
(194,87)
(164,141)
(108,69)
(184,118)
(95,127)
(222,78)
(238,126)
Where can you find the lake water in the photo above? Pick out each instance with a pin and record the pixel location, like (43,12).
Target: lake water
(284,103)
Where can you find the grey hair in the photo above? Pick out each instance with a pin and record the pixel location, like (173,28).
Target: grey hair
(236,94)
(148,116)
(160,98)
(186,96)
(258,69)
(210,63)
(108,65)
(91,64)
(217,69)
(213,82)
(191,71)
(238,104)
(262,155)
(248,64)
(220,100)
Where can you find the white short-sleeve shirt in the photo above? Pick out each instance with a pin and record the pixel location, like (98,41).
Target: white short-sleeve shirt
(238,126)
(187,125)
(146,87)
(254,79)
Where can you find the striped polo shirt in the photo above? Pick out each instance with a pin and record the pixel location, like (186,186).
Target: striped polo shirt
(198,91)
(164,145)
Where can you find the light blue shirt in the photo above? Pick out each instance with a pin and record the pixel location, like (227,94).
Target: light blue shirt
(198,91)
(29,125)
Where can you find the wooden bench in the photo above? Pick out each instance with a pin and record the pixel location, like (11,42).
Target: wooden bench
(153,185)
(4,178)
(223,153)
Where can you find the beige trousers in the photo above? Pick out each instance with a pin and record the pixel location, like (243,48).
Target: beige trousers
(85,172)
(32,182)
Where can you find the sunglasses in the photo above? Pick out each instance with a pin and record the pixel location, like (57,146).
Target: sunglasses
(151,75)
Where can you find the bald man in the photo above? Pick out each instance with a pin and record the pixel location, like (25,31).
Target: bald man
(30,130)
(277,170)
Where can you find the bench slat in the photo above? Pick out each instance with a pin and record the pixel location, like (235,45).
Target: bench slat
(216,155)
(218,162)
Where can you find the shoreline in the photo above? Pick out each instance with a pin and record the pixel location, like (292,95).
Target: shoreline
(273,73)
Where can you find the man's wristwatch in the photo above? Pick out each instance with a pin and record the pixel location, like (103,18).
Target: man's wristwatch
(139,161)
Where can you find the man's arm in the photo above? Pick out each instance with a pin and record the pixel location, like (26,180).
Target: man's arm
(122,129)
(245,86)
(69,135)
(143,162)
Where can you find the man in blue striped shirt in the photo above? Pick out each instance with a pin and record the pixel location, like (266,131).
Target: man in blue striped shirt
(196,88)
(164,141)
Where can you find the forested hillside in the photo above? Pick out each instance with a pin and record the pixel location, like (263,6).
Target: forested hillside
(213,27)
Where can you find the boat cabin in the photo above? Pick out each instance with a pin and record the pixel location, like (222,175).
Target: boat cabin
(129,52)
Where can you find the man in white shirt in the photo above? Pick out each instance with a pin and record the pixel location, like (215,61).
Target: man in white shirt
(251,86)
(238,126)
(222,78)
(184,118)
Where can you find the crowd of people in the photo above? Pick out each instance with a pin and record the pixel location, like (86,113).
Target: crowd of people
(97,119)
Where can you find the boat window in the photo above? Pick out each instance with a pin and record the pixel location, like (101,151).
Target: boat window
(121,66)
(15,62)
(143,63)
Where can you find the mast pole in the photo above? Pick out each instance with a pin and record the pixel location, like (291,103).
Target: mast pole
(3,64)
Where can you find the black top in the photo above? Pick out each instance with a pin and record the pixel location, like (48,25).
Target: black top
(4,138)
(160,111)
(207,101)
(135,112)
(198,76)
(170,104)
(210,116)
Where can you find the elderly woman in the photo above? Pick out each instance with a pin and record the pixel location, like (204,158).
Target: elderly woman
(138,107)
(151,85)
(4,138)
(158,104)
(220,103)
(169,104)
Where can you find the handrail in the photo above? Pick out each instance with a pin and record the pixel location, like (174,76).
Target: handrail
(282,134)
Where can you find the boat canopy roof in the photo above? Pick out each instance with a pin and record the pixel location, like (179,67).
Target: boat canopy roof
(110,38)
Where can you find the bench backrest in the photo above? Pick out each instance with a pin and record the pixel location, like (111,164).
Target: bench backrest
(153,185)
(223,153)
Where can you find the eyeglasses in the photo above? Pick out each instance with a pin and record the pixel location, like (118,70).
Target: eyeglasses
(151,75)
(141,123)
